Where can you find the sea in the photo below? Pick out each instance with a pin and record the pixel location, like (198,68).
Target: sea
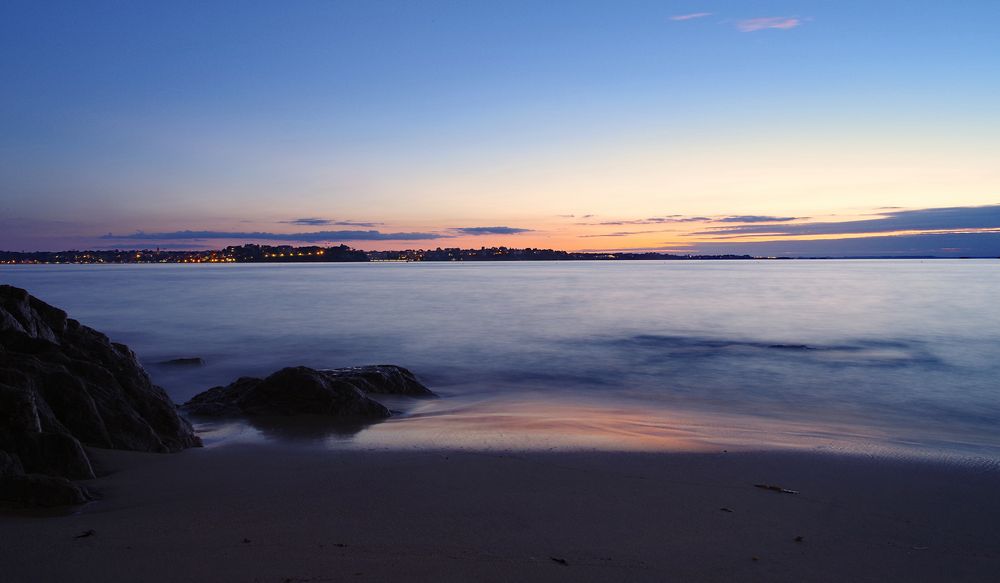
(871,357)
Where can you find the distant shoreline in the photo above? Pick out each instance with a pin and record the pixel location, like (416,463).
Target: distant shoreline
(252,253)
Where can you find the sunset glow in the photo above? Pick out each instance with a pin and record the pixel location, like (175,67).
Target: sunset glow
(387,127)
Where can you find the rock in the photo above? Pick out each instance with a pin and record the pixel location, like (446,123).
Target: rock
(384,379)
(40,490)
(189,361)
(290,391)
(53,454)
(36,489)
(64,385)
(301,390)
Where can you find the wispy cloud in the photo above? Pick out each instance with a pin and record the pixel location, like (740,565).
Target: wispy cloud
(311,237)
(916,245)
(932,219)
(490,230)
(317,222)
(656,220)
(755,219)
(777,22)
(309,221)
(621,234)
(692,16)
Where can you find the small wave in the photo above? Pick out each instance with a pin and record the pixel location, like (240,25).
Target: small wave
(861,353)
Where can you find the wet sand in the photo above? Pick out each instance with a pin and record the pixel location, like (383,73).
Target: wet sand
(265,512)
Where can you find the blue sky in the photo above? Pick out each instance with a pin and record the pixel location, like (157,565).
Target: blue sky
(487,123)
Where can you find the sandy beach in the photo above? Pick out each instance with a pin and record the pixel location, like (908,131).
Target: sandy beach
(269,512)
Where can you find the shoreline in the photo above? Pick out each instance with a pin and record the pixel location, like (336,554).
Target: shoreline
(329,515)
(568,423)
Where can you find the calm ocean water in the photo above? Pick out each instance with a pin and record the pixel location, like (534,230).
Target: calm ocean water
(877,356)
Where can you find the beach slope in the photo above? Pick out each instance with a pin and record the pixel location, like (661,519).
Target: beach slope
(259,512)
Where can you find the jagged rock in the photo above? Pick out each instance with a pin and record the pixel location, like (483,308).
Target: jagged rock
(63,384)
(302,390)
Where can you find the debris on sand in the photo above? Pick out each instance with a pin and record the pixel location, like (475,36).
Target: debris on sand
(775,488)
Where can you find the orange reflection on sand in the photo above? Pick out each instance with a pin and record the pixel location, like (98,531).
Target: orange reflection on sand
(532,424)
(559,422)
(547,423)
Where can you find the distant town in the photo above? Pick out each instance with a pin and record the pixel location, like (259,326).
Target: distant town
(251,253)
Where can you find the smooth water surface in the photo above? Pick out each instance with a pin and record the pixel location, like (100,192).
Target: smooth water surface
(685,354)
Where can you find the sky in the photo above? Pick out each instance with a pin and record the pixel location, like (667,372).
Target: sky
(770,128)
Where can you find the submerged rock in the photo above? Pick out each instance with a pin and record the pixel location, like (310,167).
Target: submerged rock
(64,385)
(186,361)
(305,391)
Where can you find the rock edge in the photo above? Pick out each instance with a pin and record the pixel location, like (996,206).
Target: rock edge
(64,385)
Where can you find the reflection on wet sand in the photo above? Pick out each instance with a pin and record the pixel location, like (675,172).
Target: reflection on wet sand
(297,429)
(536,423)
(532,423)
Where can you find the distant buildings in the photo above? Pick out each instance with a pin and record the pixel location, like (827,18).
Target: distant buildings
(251,253)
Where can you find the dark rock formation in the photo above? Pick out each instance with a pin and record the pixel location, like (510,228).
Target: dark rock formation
(189,361)
(301,390)
(63,384)
(382,379)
